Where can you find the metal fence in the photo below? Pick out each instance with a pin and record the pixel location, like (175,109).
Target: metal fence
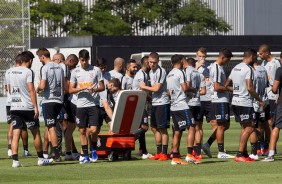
(14,33)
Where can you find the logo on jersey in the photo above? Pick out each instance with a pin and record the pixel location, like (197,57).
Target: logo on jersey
(16,99)
(15,90)
(244,117)
(77,120)
(30,124)
(181,123)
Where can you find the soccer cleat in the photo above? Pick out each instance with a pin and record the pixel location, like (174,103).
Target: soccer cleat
(146,156)
(84,159)
(75,156)
(163,157)
(268,159)
(194,153)
(206,149)
(68,157)
(255,157)
(156,156)
(26,154)
(191,159)
(16,163)
(10,153)
(44,161)
(243,159)
(94,156)
(265,152)
(45,155)
(224,155)
(177,161)
(259,153)
(59,159)
(199,157)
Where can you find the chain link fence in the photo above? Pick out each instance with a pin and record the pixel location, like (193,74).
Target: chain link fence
(14,34)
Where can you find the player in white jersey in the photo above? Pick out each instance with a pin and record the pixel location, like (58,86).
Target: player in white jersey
(24,110)
(242,76)
(160,114)
(220,100)
(118,68)
(271,65)
(24,133)
(87,81)
(52,86)
(181,115)
(195,81)
(70,105)
(127,79)
(142,76)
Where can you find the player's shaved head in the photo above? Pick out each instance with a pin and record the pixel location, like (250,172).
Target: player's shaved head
(118,61)
(264,48)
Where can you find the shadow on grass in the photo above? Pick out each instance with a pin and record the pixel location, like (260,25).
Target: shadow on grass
(214,161)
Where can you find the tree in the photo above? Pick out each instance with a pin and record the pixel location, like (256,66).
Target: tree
(198,19)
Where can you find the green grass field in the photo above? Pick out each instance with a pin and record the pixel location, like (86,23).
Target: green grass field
(143,171)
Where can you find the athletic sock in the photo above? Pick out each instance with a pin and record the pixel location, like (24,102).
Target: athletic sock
(195,149)
(258,145)
(85,150)
(199,148)
(254,147)
(40,154)
(271,153)
(190,150)
(68,152)
(245,154)
(94,145)
(15,157)
(266,144)
(164,151)
(57,152)
(45,152)
(159,148)
(25,147)
(138,133)
(175,154)
(221,147)
(142,143)
(239,154)
(9,146)
(210,140)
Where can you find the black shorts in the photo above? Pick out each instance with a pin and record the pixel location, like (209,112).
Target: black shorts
(87,116)
(243,114)
(160,116)
(272,106)
(267,114)
(196,112)
(69,111)
(103,116)
(220,112)
(182,119)
(206,110)
(144,119)
(8,113)
(278,117)
(23,119)
(50,113)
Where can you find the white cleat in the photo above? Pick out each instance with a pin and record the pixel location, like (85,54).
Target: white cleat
(16,163)
(26,154)
(146,156)
(268,159)
(44,161)
(10,153)
(255,157)
(224,155)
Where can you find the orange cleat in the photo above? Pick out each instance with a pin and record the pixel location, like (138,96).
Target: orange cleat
(178,161)
(156,156)
(198,157)
(163,157)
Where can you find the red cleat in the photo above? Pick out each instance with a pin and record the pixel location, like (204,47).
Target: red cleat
(163,157)
(156,156)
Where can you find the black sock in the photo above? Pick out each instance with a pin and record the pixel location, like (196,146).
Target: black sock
(266,144)
(221,147)
(15,157)
(195,149)
(210,140)
(175,154)
(138,133)
(85,150)
(245,154)
(56,151)
(74,151)
(258,145)
(45,152)
(94,145)
(199,148)
(239,154)
(159,149)
(165,149)
(9,146)
(68,152)
(254,147)
(190,150)
(25,147)
(40,154)
(142,143)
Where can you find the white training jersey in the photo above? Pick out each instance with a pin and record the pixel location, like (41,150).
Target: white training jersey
(115,74)
(239,74)
(18,79)
(205,73)
(7,82)
(174,80)
(126,82)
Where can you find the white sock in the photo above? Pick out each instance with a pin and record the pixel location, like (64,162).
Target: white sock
(271,153)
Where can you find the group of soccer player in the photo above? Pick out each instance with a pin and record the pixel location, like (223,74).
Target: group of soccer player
(77,94)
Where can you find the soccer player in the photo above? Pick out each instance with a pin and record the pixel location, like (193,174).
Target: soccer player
(24,110)
(160,115)
(277,123)
(142,76)
(181,115)
(52,85)
(271,65)
(70,105)
(242,76)
(118,68)
(127,79)
(196,82)
(220,100)
(87,81)
(24,133)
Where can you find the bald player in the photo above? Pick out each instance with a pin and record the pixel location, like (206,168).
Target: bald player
(118,68)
